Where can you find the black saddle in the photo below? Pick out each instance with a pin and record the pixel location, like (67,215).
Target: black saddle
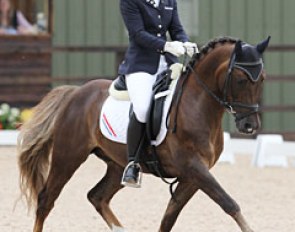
(157,104)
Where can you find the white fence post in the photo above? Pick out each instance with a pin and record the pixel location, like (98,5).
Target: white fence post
(8,137)
(268,153)
(227,155)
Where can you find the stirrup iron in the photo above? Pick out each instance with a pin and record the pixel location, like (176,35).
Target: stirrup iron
(139,179)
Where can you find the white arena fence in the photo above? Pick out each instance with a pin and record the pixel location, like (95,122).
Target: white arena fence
(269,150)
(8,137)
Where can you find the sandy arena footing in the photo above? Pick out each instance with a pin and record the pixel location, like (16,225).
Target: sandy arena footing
(266,196)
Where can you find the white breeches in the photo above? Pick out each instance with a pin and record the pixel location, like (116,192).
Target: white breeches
(139,87)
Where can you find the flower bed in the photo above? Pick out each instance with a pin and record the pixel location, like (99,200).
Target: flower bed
(9,117)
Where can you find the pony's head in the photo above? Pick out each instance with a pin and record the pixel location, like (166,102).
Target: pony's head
(242,86)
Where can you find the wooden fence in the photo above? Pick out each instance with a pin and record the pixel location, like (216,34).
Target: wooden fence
(119,52)
(280,78)
(25,69)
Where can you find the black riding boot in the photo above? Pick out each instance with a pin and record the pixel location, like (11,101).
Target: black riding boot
(135,136)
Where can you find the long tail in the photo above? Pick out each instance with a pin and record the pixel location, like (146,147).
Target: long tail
(35,140)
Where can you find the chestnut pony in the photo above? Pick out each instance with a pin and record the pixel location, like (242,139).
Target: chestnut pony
(227,74)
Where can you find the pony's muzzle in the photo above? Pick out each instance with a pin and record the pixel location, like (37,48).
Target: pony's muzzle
(248,125)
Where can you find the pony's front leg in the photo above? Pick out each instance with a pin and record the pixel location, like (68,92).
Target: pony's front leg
(183,193)
(208,184)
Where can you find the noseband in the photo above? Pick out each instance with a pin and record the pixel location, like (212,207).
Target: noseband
(232,106)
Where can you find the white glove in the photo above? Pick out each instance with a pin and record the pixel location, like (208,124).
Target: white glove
(191,48)
(176,48)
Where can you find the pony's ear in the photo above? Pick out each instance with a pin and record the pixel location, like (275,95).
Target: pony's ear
(238,48)
(263,45)
(237,52)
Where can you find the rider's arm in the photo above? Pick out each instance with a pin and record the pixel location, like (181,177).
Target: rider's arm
(176,30)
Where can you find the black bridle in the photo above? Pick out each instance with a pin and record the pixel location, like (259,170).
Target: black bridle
(232,106)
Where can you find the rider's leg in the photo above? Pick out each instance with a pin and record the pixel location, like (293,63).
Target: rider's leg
(140,90)
(135,136)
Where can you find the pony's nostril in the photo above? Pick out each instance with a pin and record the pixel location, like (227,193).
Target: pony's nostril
(248,127)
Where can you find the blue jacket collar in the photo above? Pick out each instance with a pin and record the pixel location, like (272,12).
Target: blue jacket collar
(152,3)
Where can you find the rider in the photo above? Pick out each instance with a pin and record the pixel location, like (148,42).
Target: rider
(149,53)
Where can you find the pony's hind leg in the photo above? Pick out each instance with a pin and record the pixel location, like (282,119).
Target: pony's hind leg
(101,195)
(60,173)
(183,193)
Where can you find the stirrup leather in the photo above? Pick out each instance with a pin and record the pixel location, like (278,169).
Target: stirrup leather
(139,179)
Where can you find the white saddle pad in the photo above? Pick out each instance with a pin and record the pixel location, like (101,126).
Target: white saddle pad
(114,118)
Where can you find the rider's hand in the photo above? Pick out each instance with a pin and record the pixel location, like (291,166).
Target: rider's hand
(191,48)
(176,48)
